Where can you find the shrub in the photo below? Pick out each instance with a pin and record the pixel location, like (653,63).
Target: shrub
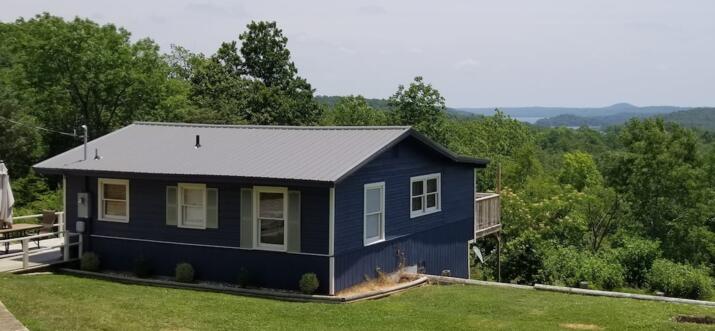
(679,280)
(89,262)
(184,273)
(308,283)
(569,267)
(142,267)
(637,257)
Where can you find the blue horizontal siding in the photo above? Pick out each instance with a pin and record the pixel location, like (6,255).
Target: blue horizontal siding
(442,248)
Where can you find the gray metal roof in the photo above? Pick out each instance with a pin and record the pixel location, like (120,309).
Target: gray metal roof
(324,154)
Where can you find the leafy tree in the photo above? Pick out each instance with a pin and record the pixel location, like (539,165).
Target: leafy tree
(257,83)
(79,72)
(22,143)
(354,111)
(603,211)
(421,106)
(580,171)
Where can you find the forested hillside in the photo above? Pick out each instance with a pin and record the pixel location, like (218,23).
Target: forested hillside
(628,207)
(699,118)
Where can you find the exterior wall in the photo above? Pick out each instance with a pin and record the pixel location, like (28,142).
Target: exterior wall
(147,215)
(438,239)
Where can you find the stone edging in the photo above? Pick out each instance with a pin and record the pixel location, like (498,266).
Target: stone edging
(262,293)
(8,322)
(570,290)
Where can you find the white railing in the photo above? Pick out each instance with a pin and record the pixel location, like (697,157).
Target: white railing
(60,233)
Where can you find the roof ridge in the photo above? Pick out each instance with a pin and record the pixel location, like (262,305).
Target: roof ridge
(276,127)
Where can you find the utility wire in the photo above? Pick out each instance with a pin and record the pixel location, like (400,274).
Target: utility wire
(39,127)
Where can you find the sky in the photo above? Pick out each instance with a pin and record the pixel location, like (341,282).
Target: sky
(476,53)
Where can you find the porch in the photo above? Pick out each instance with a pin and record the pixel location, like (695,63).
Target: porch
(487,214)
(36,249)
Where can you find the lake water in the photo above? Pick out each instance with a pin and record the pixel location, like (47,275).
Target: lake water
(531,120)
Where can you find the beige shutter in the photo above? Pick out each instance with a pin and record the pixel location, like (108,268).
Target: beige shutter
(212,208)
(172,208)
(293,221)
(246,218)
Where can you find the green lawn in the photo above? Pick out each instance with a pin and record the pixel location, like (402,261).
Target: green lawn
(60,302)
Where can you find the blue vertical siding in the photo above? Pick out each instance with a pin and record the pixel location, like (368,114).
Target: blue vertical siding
(438,238)
(147,215)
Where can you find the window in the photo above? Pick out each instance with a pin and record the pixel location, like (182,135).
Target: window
(271,216)
(425,197)
(113,200)
(374,227)
(192,206)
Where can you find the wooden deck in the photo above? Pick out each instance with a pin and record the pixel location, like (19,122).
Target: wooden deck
(487,214)
(43,256)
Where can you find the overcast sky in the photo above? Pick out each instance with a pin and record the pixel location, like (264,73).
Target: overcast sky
(477,53)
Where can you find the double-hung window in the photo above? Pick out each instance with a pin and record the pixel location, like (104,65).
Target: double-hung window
(374,221)
(271,216)
(192,206)
(425,194)
(113,200)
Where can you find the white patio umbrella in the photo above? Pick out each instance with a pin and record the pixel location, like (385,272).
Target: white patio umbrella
(6,198)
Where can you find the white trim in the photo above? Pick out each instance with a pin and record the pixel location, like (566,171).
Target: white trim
(257,190)
(425,210)
(180,203)
(100,199)
(201,245)
(331,276)
(331,222)
(381,236)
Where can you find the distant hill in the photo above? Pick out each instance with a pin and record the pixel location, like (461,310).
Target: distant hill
(700,118)
(615,109)
(596,121)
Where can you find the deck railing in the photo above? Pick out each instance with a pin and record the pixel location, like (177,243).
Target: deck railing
(61,233)
(487,214)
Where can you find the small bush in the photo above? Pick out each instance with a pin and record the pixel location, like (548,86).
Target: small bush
(89,262)
(245,278)
(637,257)
(308,283)
(142,267)
(569,267)
(680,280)
(184,273)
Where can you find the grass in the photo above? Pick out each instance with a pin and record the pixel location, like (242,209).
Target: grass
(61,302)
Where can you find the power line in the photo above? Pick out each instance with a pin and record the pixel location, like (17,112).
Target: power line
(39,127)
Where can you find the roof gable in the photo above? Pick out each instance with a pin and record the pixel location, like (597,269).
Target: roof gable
(322,154)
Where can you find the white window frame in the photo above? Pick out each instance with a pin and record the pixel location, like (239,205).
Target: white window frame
(100,200)
(381,237)
(423,179)
(257,190)
(180,203)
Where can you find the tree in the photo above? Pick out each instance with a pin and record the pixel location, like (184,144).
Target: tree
(421,106)
(257,84)
(354,111)
(603,211)
(79,72)
(579,170)
(21,143)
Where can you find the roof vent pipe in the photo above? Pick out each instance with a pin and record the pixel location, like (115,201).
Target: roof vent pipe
(96,154)
(198,142)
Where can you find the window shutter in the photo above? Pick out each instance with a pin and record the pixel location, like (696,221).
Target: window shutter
(172,206)
(293,221)
(212,208)
(246,218)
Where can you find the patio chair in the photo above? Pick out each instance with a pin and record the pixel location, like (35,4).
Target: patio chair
(49,218)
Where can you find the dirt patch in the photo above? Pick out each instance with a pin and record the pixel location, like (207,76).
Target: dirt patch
(380,283)
(579,326)
(694,319)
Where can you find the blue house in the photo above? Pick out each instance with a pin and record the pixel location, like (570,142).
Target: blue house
(274,201)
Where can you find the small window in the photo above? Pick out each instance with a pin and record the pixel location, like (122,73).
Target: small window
(374,227)
(113,200)
(425,196)
(271,217)
(192,206)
